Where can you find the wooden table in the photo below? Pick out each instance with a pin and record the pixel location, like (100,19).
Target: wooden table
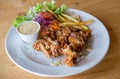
(108,11)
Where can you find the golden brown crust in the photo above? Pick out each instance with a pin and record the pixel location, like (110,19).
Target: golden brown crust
(64,41)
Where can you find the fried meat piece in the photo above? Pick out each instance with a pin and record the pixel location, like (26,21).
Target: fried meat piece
(70,56)
(49,47)
(68,41)
(76,44)
(43,46)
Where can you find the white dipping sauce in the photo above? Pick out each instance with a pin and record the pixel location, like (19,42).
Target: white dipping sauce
(28,28)
(28,31)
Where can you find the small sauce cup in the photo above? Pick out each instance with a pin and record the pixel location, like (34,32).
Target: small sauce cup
(28,31)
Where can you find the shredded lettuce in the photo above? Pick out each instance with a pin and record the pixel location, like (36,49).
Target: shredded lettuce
(20,19)
(58,11)
(53,5)
(38,7)
(61,9)
(50,5)
(31,14)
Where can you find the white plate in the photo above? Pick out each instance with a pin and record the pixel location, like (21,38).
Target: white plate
(24,56)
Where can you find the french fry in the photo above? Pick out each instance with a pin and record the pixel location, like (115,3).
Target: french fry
(63,19)
(82,27)
(71,23)
(88,21)
(53,14)
(76,23)
(77,18)
(70,18)
(79,25)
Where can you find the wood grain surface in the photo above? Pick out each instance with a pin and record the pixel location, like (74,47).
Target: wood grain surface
(108,11)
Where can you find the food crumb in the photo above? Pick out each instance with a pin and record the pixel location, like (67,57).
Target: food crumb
(82,57)
(56,63)
(89,48)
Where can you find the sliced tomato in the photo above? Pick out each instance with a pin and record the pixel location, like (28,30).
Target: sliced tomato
(45,14)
